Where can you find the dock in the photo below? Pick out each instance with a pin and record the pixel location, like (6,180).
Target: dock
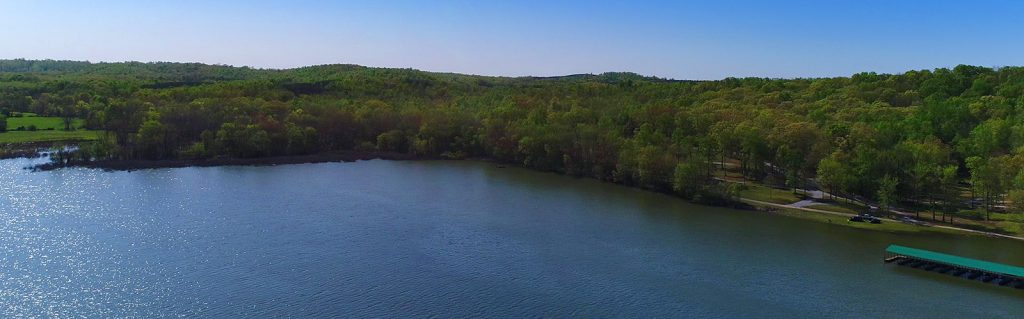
(963,267)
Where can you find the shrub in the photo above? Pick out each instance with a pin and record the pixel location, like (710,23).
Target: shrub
(366,147)
(196,151)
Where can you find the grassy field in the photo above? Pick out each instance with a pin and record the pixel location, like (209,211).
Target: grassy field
(885,226)
(41,123)
(1001,223)
(48,129)
(1007,223)
(835,208)
(768,194)
(48,136)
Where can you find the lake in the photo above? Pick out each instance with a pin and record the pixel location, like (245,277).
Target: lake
(442,238)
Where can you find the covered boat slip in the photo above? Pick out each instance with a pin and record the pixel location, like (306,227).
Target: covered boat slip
(986,271)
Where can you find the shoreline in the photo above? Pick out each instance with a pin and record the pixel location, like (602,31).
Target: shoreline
(899,226)
(28,149)
(339,156)
(352,156)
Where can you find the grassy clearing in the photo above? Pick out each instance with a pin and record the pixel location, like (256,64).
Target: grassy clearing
(841,206)
(1014,228)
(996,226)
(1009,217)
(48,129)
(836,208)
(768,194)
(1012,224)
(1007,223)
(40,122)
(886,226)
(11,137)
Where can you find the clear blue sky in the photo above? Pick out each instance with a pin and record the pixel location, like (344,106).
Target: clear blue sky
(675,39)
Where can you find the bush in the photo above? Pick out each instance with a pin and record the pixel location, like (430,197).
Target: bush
(196,151)
(366,147)
(392,141)
(32,127)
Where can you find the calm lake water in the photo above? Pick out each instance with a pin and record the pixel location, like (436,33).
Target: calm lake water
(449,239)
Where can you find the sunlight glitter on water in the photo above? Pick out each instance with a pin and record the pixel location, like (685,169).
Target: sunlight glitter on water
(417,239)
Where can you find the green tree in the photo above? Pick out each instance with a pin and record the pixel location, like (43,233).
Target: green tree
(833,175)
(655,168)
(988,179)
(392,141)
(152,139)
(1015,200)
(688,179)
(301,140)
(948,190)
(887,193)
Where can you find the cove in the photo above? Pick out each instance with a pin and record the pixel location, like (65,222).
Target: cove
(442,238)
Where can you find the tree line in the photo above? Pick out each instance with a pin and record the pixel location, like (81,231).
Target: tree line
(918,138)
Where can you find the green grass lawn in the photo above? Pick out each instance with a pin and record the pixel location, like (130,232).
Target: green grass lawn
(1010,217)
(48,129)
(1015,228)
(1012,223)
(48,136)
(836,208)
(41,123)
(768,194)
(886,225)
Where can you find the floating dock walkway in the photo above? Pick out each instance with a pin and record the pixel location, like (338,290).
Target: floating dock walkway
(985,271)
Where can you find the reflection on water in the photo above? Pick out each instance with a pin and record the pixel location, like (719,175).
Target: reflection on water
(451,239)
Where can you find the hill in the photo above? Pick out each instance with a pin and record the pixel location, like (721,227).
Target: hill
(927,140)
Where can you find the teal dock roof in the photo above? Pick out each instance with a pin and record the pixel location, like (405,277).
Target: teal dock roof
(957,260)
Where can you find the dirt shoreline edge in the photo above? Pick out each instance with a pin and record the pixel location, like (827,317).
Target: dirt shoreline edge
(129,165)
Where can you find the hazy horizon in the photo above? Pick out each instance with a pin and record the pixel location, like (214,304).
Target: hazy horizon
(692,41)
(507,76)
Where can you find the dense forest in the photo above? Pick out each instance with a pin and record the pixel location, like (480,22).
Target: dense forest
(918,138)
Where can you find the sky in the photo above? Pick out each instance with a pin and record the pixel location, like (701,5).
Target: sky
(696,40)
